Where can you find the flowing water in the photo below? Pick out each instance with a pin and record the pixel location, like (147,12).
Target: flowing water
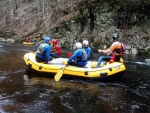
(25,92)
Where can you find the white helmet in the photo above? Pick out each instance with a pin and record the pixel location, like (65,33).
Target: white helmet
(86,42)
(78,45)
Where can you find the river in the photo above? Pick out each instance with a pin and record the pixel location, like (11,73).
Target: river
(25,92)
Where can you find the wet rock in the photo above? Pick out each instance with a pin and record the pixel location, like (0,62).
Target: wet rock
(148,61)
(10,40)
(134,51)
(2,40)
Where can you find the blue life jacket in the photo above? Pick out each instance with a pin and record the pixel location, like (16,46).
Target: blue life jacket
(40,49)
(43,52)
(79,56)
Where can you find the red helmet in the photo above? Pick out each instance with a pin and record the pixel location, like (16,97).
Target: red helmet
(54,41)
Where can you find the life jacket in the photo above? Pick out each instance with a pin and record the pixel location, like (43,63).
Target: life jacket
(83,57)
(27,40)
(53,50)
(117,53)
(40,49)
(120,51)
(58,50)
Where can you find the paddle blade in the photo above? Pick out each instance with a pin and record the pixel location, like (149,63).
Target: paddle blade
(58,75)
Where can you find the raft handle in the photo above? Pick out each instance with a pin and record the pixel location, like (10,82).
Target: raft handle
(29,65)
(40,67)
(103,74)
(110,69)
(86,72)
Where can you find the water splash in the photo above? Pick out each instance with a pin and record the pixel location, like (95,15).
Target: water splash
(147,61)
(141,63)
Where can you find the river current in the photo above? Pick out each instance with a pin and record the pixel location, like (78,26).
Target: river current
(25,92)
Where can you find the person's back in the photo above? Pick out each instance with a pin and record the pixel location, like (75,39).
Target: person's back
(87,48)
(79,57)
(115,47)
(27,40)
(43,51)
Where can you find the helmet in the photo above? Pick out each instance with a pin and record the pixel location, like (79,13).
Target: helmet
(47,39)
(54,41)
(116,35)
(86,42)
(78,45)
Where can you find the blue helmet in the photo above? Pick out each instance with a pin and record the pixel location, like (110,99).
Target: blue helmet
(47,39)
(116,35)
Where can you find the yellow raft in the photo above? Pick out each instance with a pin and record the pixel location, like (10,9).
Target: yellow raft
(28,43)
(115,69)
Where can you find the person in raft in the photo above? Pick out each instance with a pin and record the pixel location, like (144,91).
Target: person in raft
(86,47)
(114,53)
(56,50)
(43,51)
(29,39)
(79,57)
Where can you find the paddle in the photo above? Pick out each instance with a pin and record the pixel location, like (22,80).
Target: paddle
(59,74)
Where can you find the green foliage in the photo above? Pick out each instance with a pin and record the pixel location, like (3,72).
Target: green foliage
(78,18)
(143,52)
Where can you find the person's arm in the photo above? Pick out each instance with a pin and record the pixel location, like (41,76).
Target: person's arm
(73,57)
(58,50)
(89,52)
(107,51)
(47,53)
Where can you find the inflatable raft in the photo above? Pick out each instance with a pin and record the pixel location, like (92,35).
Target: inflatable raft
(115,69)
(28,43)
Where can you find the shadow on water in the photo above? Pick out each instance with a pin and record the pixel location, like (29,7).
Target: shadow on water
(28,92)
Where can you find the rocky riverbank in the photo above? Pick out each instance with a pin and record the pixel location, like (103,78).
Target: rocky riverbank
(70,21)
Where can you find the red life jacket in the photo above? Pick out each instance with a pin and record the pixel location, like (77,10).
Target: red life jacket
(56,49)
